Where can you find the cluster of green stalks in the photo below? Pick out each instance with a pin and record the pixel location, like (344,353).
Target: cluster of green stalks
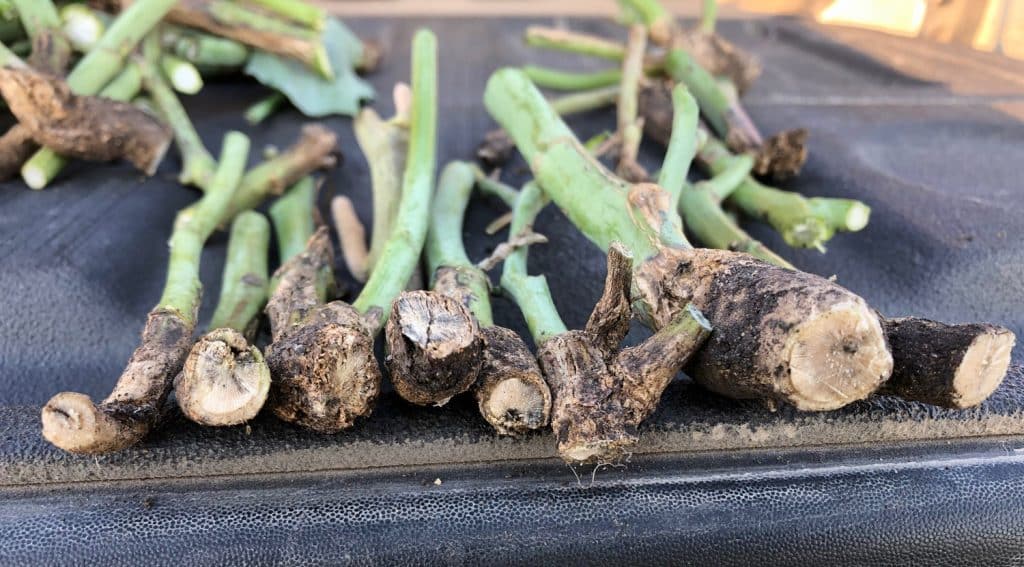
(120,55)
(738,317)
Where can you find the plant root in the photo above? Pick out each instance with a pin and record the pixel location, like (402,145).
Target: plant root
(89,128)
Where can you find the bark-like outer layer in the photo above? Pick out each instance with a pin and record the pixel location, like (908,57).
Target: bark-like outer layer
(434,347)
(84,127)
(16,146)
(757,310)
(135,405)
(507,358)
(928,354)
(324,375)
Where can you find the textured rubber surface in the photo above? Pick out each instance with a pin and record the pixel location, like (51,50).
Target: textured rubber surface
(82,262)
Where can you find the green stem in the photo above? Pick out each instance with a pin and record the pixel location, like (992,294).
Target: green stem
(296,11)
(571,81)
(714,102)
(802,222)
(632,74)
(107,58)
(585,101)
(181,74)
(243,288)
(82,25)
(42,23)
(494,188)
(444,246)
(263,108)
(292,214)
(402,250)
(709,16)
(531,293)
(594,200)
(659,21)
(45,165)
(384,144)
(205,50)
(702,212)
(194,225)
(197,165)
(9,59)
(682,146)
(564,40)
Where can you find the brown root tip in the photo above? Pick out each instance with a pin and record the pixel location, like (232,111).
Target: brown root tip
(783,155)
(325,374)
(370,58)
(835,358)
(72,422)
(586,414)
(511,392)
(954,366)
(84,127)
(496,149)
(434,347)
(225,381)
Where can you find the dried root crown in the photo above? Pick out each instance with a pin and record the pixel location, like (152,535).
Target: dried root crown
(434,347)
(225,381)
(325,374)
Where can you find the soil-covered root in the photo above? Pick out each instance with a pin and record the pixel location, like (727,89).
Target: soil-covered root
(496,149)
(953,366)
(225,380)
(16,146)
(510,391)
(72,422)
(783,155)
(778,334)
(434,347)
(324,374)
(84,127)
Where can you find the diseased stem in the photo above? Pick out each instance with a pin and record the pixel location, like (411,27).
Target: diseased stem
(400,255)
(571,81)
(384,143)
(197,165)
(816,375)
(629,129)
(565,40)
(225,380)
(714,103)
(292,214)
(72,421)
(263,108)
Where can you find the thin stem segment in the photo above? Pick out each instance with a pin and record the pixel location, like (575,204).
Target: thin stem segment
(264,108)
(292,214)
(403,246)
(50,48)
(531,293)
(682,146)
(556,79)
(244,284)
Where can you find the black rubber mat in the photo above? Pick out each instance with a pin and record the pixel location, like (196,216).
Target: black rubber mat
(83,261)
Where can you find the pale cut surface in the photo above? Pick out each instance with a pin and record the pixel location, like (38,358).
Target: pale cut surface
(225,380)
(836,358)
(982,369)
(515,402)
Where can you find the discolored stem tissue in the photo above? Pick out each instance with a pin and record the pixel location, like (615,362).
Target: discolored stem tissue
(225,379)
(71,421)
